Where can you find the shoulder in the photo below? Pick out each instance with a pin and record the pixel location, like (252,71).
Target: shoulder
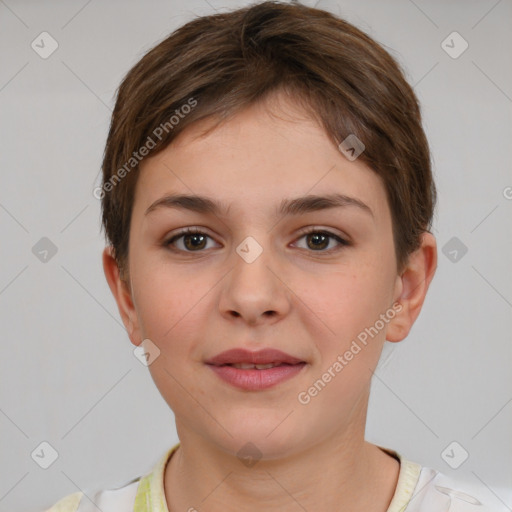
(142,493)
(106,500)
(67,504)
(424,489)
(435,490)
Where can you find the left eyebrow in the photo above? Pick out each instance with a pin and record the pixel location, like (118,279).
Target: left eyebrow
(288,207)
(312,203)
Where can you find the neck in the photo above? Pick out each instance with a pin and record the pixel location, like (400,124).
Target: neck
(344,473)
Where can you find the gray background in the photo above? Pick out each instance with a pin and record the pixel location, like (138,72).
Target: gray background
(68,373)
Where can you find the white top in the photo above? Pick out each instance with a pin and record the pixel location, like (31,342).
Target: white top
(419,489)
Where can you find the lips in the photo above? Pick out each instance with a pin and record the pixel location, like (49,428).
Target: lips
(245,359)
(255,371)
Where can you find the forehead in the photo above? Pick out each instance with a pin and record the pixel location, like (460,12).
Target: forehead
(269,151)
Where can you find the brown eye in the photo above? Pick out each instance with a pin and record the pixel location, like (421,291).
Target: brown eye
(318,240)
(193,240)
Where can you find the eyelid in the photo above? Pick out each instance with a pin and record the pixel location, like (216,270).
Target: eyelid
(329,231)
(189,230)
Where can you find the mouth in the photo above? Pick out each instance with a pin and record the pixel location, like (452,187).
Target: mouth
(251,366)
(255,371)
(259,359)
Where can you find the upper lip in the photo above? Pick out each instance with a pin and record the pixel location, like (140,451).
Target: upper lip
(242,355)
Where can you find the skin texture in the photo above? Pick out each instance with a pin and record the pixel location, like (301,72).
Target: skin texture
(309,302)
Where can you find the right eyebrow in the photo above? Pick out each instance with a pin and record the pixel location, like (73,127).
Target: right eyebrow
(195,203)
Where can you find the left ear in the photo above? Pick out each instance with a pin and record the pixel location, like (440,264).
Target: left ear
(412,286)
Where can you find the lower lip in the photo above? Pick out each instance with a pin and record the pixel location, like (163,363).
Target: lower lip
(254,379)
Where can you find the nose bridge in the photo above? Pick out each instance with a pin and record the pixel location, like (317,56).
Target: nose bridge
(252,260)
(252,288)
(250,250)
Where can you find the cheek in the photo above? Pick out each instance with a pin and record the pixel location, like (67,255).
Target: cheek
(352,299)
(160,296)
(351,304)
(172,309)
(175,306)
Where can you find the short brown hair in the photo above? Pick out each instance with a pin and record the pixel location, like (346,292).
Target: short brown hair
(224,62)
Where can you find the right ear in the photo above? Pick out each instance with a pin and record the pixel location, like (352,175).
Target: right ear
(122,294)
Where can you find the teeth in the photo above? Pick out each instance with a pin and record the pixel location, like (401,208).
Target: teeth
(249,366)
(243,366)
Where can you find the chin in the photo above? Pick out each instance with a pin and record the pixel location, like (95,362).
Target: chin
(262,437)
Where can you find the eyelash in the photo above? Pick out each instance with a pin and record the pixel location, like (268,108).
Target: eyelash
(196,231)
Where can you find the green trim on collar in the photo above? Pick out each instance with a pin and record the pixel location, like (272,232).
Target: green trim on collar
(150,495)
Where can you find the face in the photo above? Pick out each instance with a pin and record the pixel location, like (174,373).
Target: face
(306,280)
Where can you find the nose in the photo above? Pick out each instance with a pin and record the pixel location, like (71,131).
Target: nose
(254,291)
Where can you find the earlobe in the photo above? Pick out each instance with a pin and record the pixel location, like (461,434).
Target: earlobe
(412,286)
(122,294)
